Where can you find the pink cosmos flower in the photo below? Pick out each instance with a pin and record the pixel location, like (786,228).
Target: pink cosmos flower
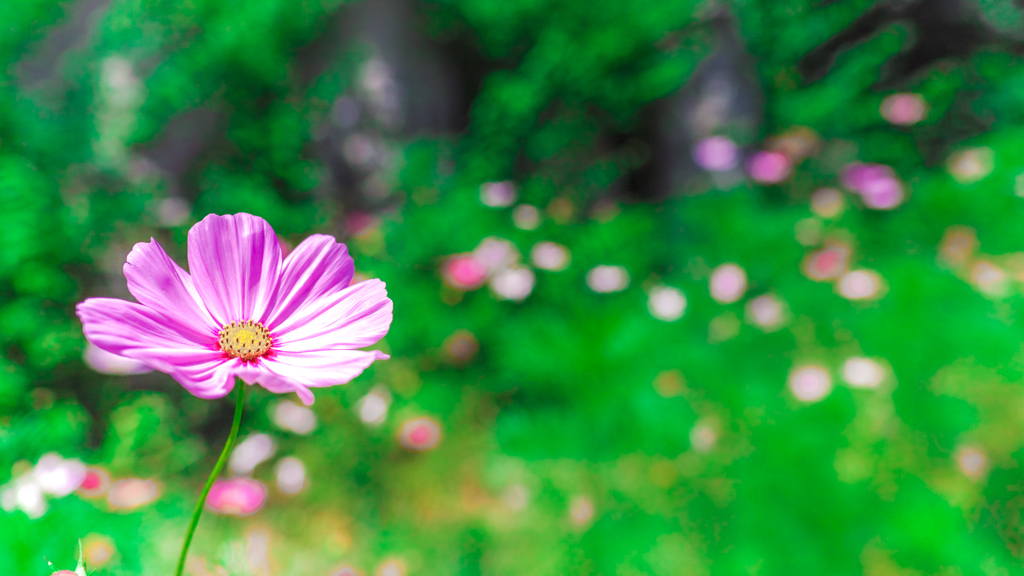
(420,434)
(239,496)
(288,324)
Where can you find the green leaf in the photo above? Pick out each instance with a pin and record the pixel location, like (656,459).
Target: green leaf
(80,569)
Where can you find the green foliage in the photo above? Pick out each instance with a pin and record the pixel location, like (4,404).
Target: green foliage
(580,433)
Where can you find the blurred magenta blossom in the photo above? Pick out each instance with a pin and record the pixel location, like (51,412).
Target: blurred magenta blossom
(239,496)
(876,183)
(288,323)
(769,167)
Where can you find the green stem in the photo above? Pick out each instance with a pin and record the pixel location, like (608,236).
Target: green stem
(213,476)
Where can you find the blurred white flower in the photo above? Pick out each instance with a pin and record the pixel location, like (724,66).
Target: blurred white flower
(132,493)
(526,217)
(291,475)
(703,436)
(513,283)
(860,285)
(293,417)
(606,279)
(550,256)
(766,312)
(863,372)
(972,461)
(373,408)
(903,109)
(25,495)
(810,383)
(496,254)
(58,477)
(666,303)
(728,283)
(250,453)
(498,194)
(971,165)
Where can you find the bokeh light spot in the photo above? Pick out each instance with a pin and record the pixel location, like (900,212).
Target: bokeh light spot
(498,194)
(131,493)
(828,263)
(728,283)
(972,462)
(392,567)
(373,408)
(96,483)
(294,417)
(526,217)
(670,383)
(464,272)
(860,285)
(989,279)
(291,475)
(550,256)
(513,283)
(769,167)
(863,372)
(98,550)
(703,436)
(420,434)
(666,303)
(581,510)
(810,383)
(827,202)
(460,347)
(250,452)
(716,154)
(239,496)
(767,312)
(607,279)
(57,476)
(971,165)
(903,109)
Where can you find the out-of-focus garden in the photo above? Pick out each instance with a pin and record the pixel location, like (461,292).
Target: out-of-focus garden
(681,287)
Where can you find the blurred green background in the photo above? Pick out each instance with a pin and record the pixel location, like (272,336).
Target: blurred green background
(681,287)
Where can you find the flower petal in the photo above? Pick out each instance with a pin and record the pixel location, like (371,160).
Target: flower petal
(160,284)
(135,331)
(261,373)
(299,371)
(355,317)
(208,378)
(235,261)
(318,267)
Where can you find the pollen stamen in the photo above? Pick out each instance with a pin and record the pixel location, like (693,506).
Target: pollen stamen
(246,340)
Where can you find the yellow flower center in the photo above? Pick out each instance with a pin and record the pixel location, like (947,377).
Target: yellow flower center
(246,340)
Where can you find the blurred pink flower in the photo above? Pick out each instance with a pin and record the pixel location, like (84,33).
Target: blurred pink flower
(769,167)
(464,272)
(828,263)
(882,194)
(238,496)
(876,183)
(131,493)
(716,153)
(420,434)
(289,324)
(96,483)
(904,109)
(857,175)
